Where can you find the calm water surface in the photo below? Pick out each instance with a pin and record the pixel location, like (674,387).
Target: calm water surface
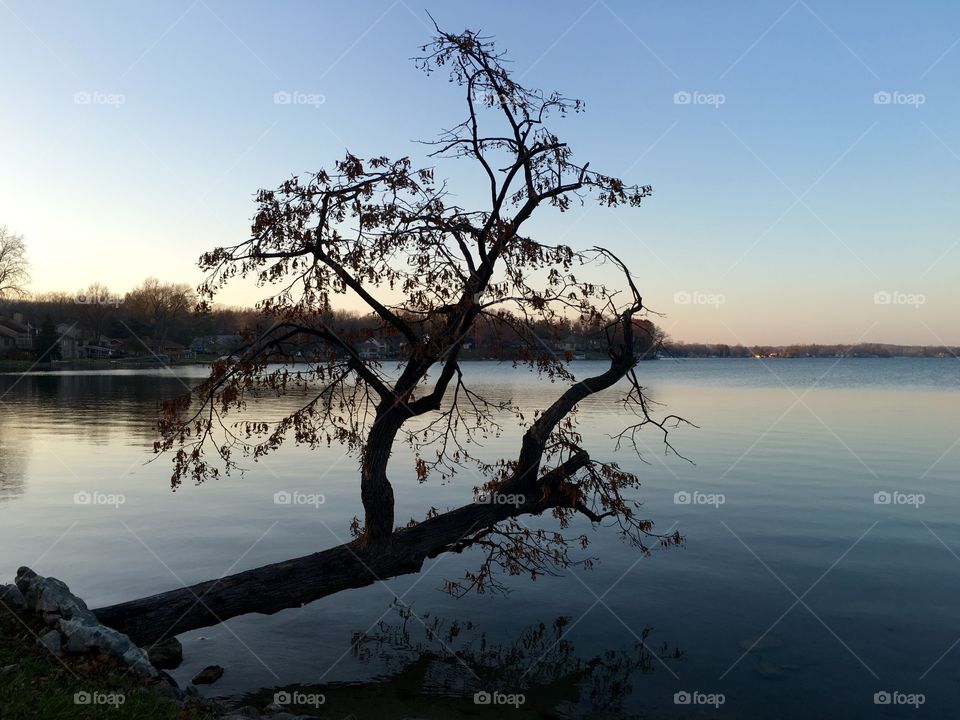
(852,597)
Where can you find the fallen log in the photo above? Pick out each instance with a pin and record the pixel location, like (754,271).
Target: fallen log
(294,583)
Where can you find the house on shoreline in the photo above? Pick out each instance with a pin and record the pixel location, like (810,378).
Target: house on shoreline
(215,344)
(16,333)
(69,341)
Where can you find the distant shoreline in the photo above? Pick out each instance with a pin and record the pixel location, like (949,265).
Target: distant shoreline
(20,366)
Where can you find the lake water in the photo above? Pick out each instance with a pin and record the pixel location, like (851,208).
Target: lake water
(850,596)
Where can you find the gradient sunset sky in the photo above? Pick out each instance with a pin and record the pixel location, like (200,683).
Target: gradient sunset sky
(805,156)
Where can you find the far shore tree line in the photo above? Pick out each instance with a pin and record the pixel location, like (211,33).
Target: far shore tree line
(862,350)
(152,319)
(161,320)
(158,319)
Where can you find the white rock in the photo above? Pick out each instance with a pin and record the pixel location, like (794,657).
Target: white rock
(82,637)
(81,630)
(50,596)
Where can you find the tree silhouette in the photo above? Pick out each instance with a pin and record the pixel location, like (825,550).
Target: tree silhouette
(390,235)
(157,307)
(46,345)
(14,274)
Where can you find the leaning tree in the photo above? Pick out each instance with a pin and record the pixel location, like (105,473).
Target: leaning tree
(388,234)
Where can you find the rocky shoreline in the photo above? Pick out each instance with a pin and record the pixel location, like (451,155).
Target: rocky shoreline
(71,630)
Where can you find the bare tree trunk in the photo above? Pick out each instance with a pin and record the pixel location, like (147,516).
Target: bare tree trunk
(376,492)
(382,552)
(293,583)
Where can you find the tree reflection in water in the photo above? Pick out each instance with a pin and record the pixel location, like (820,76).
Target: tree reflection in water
(13,460)
(434,668)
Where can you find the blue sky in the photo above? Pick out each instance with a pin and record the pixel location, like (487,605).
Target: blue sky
(791,203)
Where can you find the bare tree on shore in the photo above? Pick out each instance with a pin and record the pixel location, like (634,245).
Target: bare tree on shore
(14,275)
(392,236)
